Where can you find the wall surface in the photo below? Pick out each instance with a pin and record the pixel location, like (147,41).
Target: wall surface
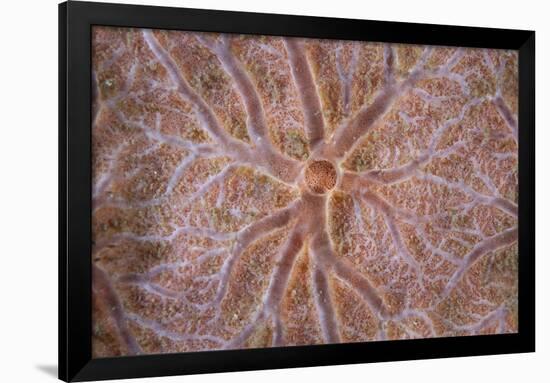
(28,166)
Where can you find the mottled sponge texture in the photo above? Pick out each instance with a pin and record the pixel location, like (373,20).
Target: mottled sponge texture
(254,191)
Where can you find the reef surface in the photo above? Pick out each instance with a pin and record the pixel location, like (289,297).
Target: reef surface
(253,191)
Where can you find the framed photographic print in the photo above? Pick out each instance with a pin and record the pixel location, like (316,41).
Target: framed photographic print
(247,191)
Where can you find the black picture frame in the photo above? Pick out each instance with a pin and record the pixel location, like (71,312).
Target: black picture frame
(75,314)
